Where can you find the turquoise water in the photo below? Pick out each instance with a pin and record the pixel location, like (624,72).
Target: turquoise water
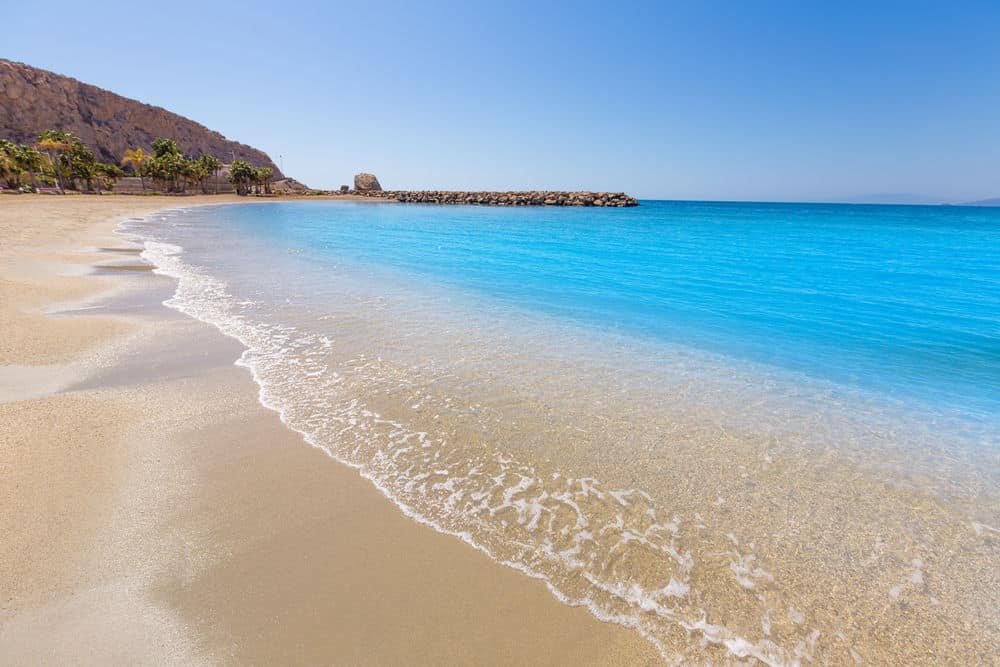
(900,299)
(694,419)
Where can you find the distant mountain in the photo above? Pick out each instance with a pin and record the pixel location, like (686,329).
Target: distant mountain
(891,198)
(995,201)
(33,99)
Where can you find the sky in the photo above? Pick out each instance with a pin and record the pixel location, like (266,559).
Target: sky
(774,101)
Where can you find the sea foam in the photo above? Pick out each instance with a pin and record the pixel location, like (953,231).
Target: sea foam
(720,467)
(610,550)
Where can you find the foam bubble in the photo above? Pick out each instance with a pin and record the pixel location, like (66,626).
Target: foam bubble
(610,550)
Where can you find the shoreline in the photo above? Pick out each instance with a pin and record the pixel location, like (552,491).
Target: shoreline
(153,496)
(774,526)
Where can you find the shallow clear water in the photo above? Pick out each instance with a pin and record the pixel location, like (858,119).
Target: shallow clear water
(904,299)
(650,408)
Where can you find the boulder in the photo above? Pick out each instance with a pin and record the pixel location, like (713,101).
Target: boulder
(366,183)
(284,186)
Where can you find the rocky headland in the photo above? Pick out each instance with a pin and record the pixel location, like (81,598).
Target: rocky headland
(32,100)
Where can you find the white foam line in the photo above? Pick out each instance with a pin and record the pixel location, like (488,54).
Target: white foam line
(165,258)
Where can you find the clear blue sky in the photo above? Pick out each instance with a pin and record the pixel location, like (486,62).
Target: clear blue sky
(700,100)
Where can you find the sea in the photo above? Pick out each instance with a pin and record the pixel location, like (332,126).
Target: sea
(752,432)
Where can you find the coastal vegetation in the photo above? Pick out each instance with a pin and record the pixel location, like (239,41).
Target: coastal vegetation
(58,161)
(18,162)
(246,178)
(137,159)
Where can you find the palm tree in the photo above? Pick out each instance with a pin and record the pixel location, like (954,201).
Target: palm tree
(29,160)
(242,175)
(83,166)
(265,178)
(9,168)
(55,143)
(137,158)
(211,165)
(194,173)
(109,174)
(163,147)
(6,168)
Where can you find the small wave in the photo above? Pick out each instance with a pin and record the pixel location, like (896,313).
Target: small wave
(613,551)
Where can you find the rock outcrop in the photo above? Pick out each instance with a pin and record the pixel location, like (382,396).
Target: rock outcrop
(367,183)
(32,100)
(288,186)
(533,198)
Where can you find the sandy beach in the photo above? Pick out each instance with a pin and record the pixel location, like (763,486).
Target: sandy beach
(154,513)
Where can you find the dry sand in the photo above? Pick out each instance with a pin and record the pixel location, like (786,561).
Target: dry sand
(153,512)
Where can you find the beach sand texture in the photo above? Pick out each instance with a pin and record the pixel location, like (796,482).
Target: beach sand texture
(154,513)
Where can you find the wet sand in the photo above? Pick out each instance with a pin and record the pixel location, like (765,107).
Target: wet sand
(154,512)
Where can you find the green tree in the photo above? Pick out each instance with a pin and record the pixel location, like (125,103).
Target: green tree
(194,173)
(168,169)
(55,143)
(30,162)
(264,175)
(242,175)
(137,159)
(211,166)
(9,168)
(256,180)
(162,147)
(109,174)
(82,165)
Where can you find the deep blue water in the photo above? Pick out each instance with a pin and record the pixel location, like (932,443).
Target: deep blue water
(903,300)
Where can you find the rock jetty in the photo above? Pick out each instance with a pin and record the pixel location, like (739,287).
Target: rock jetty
(533,198)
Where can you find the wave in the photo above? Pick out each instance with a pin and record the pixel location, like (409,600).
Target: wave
(612,551)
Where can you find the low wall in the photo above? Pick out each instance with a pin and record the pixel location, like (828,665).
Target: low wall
(132,185)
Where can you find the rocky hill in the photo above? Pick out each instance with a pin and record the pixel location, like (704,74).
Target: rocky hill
(32,100)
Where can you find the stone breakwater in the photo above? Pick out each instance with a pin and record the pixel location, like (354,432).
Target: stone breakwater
(536,198)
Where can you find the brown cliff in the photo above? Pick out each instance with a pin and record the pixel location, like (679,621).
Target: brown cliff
(32,100)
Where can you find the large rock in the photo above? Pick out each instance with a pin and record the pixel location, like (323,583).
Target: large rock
(366,183)
(32,100)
